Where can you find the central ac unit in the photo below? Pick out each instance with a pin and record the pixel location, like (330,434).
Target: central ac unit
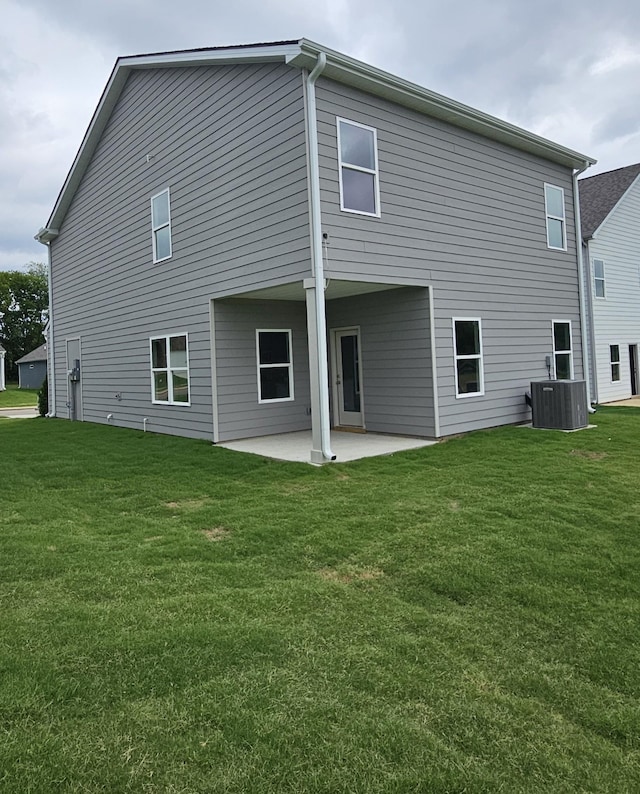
(559,404)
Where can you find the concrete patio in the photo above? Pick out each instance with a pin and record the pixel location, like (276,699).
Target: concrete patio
(632,402)
(345,446)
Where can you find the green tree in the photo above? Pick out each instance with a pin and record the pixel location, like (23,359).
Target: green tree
(24,301)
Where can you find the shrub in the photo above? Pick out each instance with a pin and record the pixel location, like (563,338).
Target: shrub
(43,398)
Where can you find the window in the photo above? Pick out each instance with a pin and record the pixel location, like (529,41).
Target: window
(358,156)
(170,369)
(598,278)
(275,366)
(562,352)
(467,340)
(161,226)
(554,208)
(614,355)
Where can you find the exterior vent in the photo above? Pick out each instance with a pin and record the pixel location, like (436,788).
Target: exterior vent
(559,404)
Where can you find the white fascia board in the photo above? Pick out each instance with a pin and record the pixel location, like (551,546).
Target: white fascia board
(356,73)
(635,182)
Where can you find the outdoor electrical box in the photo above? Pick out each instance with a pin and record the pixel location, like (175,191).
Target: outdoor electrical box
(559,404)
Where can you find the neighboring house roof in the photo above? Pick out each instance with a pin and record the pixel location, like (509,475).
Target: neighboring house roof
(303,54)
(599,194)
(2,350)
(39,354)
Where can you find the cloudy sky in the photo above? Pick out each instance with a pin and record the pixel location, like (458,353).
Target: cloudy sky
(566,69)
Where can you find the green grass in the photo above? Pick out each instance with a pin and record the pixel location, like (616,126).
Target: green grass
(13,397)
(176,617)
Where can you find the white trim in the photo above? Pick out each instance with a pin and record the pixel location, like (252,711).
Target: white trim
(434,362)
(562,352)
(470,357)
(169,369)
(51,348)
(155,229)
(261,366)
(214,373)
(550,216)
(595,278)
(375,172)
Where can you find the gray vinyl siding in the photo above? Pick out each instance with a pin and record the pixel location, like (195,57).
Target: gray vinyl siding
(229,142)
(396,357)
(31,375)
(467,216)
(240,415)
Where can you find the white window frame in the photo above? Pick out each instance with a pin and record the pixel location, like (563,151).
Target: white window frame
(597,278)
(261,366)
(479,356)
(550,216)
(169,369)
(614,363)
(562,352)
(375,172)
(156,228)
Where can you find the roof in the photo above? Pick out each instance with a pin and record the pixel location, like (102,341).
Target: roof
(39,354)
(302,54)
(599,194)
(2,350)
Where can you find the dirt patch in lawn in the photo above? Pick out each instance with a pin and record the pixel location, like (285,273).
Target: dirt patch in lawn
(351,575)
(585,453)
(216,533)
(186,504)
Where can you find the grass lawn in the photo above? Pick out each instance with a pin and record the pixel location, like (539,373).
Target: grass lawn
(13,397)
(181,618)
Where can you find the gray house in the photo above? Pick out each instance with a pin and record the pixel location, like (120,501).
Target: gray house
(32,368)
(276,237)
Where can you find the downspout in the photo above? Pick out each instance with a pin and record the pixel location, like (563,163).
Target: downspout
(45,236)
(581,287)
(317,257)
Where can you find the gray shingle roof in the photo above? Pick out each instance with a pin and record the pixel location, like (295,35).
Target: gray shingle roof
(599,194)
(39,354)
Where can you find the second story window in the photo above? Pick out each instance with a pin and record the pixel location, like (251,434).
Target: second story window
(161,226)
(598,278)
(358,163)
(556,223)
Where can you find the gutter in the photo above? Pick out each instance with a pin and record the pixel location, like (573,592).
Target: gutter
(582,285)
(317,257)
(45,236)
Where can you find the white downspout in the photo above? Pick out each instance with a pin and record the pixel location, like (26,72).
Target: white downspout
(581,287)
(317,255)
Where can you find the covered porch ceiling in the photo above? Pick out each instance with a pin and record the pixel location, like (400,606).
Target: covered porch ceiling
(336,288)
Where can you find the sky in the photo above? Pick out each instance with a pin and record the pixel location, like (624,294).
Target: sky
(568,70)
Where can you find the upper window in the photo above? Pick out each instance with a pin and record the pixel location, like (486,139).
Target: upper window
(554,208)
(275,366)
(170,369)
(562,350)
(598,278)
(358,155)
(161,226)
(614,355)
(467,339)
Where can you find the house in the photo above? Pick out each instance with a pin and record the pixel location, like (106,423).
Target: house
(276,237)
(32,368)
(610,216)
(3,353)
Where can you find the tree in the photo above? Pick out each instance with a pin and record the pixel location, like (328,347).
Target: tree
(24,301)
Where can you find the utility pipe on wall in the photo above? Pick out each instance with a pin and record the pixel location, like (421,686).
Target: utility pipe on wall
(317,254)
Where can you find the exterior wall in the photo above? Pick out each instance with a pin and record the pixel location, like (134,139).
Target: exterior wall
(31,375)
(616,317)
(240,415)
(229,142)
(396,357)
(467,216)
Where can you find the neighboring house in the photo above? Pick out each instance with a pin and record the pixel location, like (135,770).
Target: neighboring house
(32,368)
(3,384)
(276,237)
(610,216)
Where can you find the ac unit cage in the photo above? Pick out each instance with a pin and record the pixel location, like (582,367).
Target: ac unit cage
(559,404)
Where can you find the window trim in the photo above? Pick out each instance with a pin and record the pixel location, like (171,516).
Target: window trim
(562,352)
(261,366)
(550,216)
(168,369)
(375,172)
(615,363)
(595,279)
(479,356)
(155,229)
